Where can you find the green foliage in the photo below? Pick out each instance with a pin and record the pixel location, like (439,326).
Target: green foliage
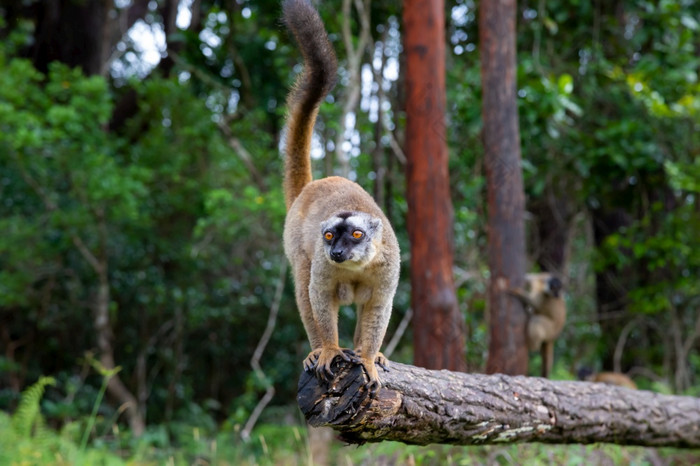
(27,418)
(166,204)
(502,455)
(24,439)
(675,246)
(684,176)
(289,445)
(277,444)
(188,224)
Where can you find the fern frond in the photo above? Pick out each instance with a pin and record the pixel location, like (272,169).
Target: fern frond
(28,410)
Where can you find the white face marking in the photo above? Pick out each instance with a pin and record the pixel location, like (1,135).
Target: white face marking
(355,221)
(342,249)
(331,223)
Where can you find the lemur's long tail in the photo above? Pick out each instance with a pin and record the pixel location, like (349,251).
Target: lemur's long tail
(317,79)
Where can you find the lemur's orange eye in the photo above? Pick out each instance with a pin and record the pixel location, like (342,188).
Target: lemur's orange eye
(328,235)
(357,234)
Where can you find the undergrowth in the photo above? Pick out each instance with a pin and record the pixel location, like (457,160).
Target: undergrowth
(26,440)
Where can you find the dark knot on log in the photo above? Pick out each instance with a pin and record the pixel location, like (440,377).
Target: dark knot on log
(345,401)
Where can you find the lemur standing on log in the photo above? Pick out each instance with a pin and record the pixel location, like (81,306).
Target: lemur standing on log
(340,245)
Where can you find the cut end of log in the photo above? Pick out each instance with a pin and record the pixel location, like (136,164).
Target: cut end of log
(345,401)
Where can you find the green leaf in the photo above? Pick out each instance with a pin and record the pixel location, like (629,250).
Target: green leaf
(565,84)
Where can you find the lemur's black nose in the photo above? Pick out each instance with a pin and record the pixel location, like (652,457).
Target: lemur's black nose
(337,255)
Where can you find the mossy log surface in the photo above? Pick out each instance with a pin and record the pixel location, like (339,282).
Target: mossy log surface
(420,406)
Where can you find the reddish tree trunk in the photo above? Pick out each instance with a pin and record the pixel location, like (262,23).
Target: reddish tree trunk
(438,330)
(506,233)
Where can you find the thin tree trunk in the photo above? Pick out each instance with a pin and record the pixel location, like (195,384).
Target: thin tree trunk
(612,285)
(552,224)
(438,330)
(506,199)
(104,333)
(115,386)
(420,406)
(354,68)
(378,154)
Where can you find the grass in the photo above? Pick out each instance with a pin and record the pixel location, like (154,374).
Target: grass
(26,440)
(288,445)
(281,450)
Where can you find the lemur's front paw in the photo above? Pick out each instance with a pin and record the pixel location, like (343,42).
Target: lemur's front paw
(380,360)
(311,359)
(321,359)
(373,383)
(373,387)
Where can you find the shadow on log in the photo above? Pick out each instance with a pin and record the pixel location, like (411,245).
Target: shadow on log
(420,406)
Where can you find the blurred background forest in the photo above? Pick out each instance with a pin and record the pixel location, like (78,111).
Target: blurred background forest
(141,208)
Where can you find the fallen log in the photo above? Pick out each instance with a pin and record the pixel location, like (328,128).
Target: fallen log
(420,406)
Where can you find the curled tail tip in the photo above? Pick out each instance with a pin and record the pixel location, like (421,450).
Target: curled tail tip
(296,13)
(305,24)
(293,8)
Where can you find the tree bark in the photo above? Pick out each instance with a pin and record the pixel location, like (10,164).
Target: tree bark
(103,329)
(552,223)
(105,335)
(438,330)
(612,285)
(73,33)
(353,68)
(506,198)
(76,33)
(419,406)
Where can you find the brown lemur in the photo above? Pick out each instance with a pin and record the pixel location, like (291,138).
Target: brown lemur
(608,378)
(340,245)
(547,309)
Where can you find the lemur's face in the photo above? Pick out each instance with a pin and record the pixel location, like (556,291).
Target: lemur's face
(348,238)
(544,283)
(554,286)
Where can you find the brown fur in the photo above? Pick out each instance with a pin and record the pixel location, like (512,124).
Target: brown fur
(613,378)
(547,319)
(314,83)
(320,284)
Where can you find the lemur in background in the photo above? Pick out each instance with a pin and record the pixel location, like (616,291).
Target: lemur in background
(547,315)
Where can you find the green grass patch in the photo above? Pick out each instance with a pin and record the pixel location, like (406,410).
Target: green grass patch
(26,440)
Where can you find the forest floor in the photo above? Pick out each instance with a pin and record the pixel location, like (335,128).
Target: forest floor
(288,445)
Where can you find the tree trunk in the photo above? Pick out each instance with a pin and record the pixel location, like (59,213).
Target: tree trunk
(506,199)
(115,386)
(438,330)
(378,153)
(76,33)
(103,329)
(73,33)
(611,285)
(353,68)
(419,406)
(552,223)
